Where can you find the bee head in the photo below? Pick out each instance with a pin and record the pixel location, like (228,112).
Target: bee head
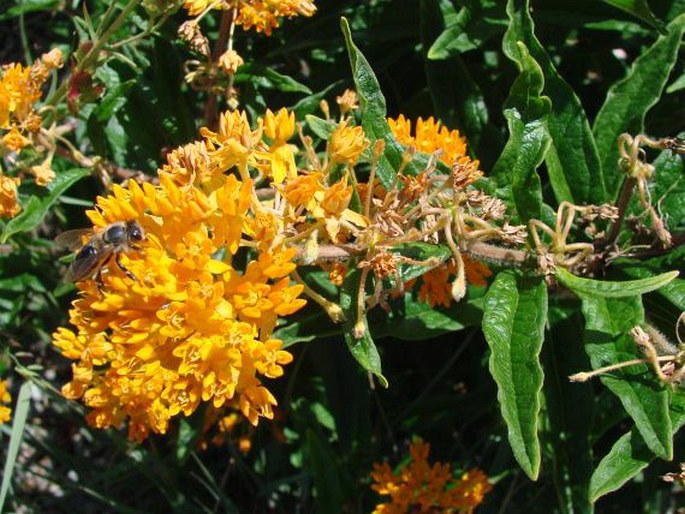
(135,231)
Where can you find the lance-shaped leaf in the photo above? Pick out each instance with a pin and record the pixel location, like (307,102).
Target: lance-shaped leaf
(526,111)
(607,289)
(569,406)
(640,9)
(363,348)
(374,112)
(40,202)
(21,411)
(607,342)
(455,94)
(630,455)
(628,100)
(514,318)
(572,159)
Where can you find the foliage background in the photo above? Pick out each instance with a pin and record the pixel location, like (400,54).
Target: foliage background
(318,455)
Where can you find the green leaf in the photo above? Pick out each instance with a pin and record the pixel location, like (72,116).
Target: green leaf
(21,411)
(457,98)
(606,289)
(607,342)
(471,27)
(38,204)
(526,112)
(363,348)
(570,406)
(418,321)
(269,78)
(312,103)
(374,112)
(572,159)
(322,128)
(640,10)
(306,328)
(629,100)
(329,479)
(514,317)
(630,455)
(421,252)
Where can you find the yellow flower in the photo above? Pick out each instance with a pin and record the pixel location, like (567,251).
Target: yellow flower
(8,196)
(5,410)
(195,7)
(430,136)
(14,140)
(347,144)
(420,487)
(20,89)
(181,327)
(280,127)
(262,15)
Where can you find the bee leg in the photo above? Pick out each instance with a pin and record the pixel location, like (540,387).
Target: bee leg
(98,281)
(123,268)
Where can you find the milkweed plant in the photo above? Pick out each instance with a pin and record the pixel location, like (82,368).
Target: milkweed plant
(375,257)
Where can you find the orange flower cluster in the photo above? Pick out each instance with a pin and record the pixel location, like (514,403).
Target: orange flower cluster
(262,15)
(420,487)
(5,398)
(180,324)
(430,136)
(20,89)
(436,287)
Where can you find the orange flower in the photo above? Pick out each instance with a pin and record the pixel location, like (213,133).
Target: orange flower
(8,196)
(347,144)
(5,398)
(182,325)
(420,487)
(436,285)
(262,15)
(429,137)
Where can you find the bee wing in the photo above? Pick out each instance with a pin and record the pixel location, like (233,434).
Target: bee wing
(73,239)
(87,261)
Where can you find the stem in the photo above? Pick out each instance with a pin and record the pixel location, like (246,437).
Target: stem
(586,375)
(227,21)
(622,205)
(94,52)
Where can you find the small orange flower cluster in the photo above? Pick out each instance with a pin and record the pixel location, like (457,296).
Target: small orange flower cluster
(420,487)
(430,136)
(436,287)
(5,398)
(20,89)
(262,15)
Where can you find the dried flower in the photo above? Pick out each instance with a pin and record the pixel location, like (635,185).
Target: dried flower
(348,101)
(230,61)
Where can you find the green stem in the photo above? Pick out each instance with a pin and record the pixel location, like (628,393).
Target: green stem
(93,53)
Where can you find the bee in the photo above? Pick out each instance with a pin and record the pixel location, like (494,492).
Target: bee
(102,246)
